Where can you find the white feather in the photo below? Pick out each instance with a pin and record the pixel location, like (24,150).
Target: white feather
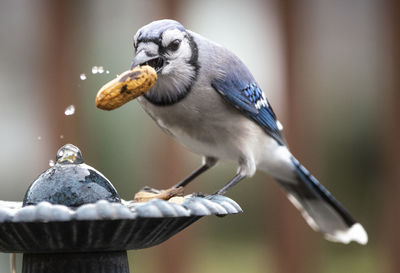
(279,124)
(355,233)
(170,35)
(310,221)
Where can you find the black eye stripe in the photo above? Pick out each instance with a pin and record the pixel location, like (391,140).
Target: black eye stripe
(174,45)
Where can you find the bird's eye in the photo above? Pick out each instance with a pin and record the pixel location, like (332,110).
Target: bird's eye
(174,45)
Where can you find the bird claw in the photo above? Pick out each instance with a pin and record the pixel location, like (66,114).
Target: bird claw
(147,193)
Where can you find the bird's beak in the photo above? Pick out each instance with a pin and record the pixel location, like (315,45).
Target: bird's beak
(142,58)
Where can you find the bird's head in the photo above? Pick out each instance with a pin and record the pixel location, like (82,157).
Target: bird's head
(171,50)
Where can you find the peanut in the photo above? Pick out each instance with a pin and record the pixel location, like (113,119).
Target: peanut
(126,87)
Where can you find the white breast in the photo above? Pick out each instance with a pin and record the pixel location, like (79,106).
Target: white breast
(215,128)
(201,127)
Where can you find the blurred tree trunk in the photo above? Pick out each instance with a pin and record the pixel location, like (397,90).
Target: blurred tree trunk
(59,72)
(168,154)
(391,139)
(290,248)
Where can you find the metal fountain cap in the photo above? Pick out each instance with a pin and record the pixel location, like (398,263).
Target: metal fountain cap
(73,209)
(70,182)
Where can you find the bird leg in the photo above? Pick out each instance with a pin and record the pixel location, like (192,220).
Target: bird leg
(208,162)
(236,179)
(246,168)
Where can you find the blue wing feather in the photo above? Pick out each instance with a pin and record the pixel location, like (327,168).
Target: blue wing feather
(245,95)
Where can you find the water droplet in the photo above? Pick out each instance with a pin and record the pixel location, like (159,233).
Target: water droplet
(70,110)
(83,77)
(51,163)
(107,71)
(95,70)
(69,154)
(100,70)
(39,138)
(61,136)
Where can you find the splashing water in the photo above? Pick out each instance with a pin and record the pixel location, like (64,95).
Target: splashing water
(70,110)
(51,163)
(69,154)
(95,70)
(99,70)
(82,77)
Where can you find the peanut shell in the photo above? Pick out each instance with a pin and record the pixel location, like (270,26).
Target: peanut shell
(126,87)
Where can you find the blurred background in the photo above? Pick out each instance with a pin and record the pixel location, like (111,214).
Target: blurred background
(329,68)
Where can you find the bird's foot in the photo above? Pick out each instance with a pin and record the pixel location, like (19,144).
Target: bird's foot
(148,193)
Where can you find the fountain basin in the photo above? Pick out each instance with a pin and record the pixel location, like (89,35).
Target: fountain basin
(102,226)
(73,220)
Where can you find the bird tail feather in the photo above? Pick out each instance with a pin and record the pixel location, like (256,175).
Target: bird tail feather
(320,209)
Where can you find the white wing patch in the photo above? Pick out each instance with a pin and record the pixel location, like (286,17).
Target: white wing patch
(262,102)
(279,124)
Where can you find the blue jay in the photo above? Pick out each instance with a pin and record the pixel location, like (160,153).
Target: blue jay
(207,99)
